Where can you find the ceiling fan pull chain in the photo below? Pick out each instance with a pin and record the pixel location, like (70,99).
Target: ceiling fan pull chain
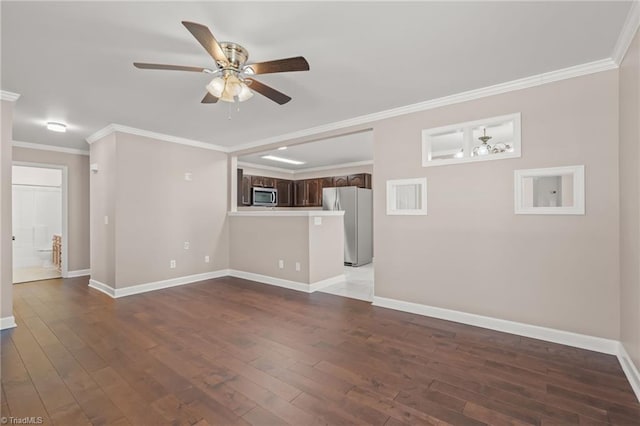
(236,100)
(229,112)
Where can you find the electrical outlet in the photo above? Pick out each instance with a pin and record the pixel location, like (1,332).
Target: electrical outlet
(186,245)
(281,264)
(206,259)
(317,220)
(106,220)
(172,264)
(298,266)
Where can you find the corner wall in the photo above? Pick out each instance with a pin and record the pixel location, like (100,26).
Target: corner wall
(630,201)
(153,210)
(6,231)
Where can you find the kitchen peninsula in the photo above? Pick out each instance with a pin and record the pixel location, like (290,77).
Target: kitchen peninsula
(298,249)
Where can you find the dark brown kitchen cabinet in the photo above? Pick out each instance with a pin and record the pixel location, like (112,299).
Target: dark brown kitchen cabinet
(263,181)
(341,181)
(244,190)
(285,192)
(327,182)
(307,193)
(361,180)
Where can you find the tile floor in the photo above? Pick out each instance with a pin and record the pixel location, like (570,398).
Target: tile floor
(36,273)
(358,283)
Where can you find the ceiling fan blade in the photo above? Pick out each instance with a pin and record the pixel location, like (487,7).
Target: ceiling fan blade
(209,99)
(145,66)
(298,63)
(207,40)
(269,92)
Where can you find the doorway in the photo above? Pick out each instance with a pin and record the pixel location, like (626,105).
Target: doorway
(38,221)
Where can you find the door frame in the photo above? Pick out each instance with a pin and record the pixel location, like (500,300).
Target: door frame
(65,209)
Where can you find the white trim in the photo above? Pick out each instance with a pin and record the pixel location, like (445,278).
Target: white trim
(172,282)
(260,166)
(7,322)
(78,273)
(265,279)
(630,370)
(509,86)
(111,128)
(65,205)
(102,287)
(8,96)
(309,169)
(583,341)
(627,33)
(287,213)
(392,197)
(319,285)
(291,285)
(578,190)
(335,166)
(29,145)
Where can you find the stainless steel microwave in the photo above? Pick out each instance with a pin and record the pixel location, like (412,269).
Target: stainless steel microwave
(265,196)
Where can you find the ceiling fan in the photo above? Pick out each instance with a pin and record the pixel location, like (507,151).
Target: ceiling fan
(233,78)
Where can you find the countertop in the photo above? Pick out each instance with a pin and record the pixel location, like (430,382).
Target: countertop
(280,213)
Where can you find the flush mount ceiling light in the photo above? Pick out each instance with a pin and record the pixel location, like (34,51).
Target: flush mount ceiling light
(485,148)
(282,148)
(56,127)
(282,160)
(233,80)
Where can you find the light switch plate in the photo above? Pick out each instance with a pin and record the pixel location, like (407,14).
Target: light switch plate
(317,220)
(186,245)
(188,176)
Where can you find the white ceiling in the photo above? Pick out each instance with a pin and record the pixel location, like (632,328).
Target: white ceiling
(345,149)
(72,61)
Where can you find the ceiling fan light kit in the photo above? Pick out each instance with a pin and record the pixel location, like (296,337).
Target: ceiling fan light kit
(233,80)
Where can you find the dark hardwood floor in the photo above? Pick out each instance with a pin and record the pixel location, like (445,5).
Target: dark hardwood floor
(230,351)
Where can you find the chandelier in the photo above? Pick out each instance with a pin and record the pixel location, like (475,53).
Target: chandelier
(485,148)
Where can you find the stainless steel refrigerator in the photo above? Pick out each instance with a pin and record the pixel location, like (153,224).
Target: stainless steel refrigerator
(357,204)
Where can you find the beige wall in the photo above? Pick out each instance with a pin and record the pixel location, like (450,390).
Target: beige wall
(471,253)
(630,201)
(258,243)
(157,210)
(6,246)
(153,210)
(78,199)
(102,204)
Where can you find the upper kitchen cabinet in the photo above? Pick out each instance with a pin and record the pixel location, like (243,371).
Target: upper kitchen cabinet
(244,189)
(263,182)
(340,181)
(307,193)
(285,192)
(361,180)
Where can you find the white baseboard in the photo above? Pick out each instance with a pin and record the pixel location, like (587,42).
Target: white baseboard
(102,287)
(265,279)
(156,285)
(7,322)
(291,285)
(630,370)
(318,285)
(582,341)
(78,273)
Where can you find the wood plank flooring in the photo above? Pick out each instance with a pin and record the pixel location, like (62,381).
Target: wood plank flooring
(229,351)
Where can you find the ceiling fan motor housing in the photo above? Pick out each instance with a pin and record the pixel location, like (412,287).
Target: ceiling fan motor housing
(236,55)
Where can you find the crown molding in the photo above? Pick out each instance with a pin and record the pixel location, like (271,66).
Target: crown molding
(262,167)
(309,169)
(335,166)
(112,128)
(8,96)
(29,145)
(510,86)
(629,29)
